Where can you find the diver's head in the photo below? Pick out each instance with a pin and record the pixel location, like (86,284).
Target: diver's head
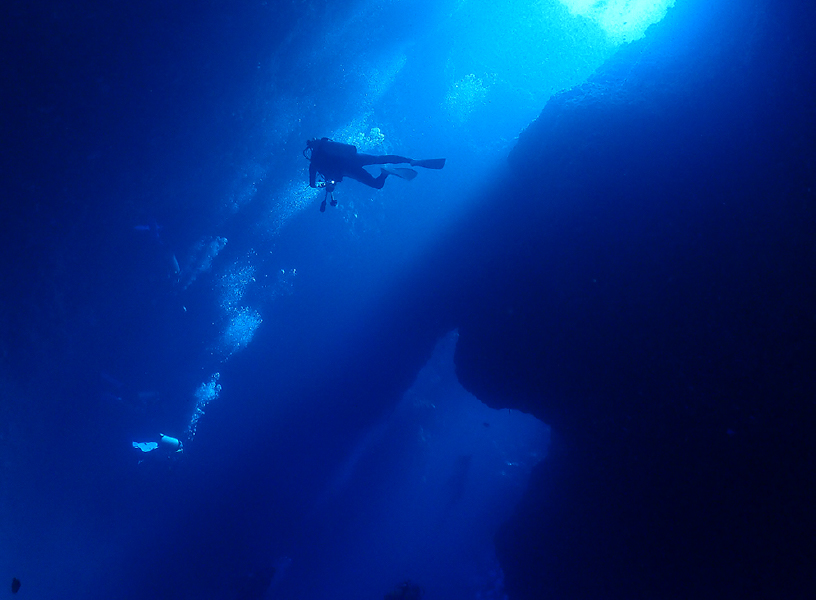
(310,146)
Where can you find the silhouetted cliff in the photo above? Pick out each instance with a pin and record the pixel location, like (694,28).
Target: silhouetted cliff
(646,286)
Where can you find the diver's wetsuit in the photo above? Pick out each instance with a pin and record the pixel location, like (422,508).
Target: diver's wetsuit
(334,161)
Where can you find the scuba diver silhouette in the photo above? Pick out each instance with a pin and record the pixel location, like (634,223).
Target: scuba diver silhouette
(333,161)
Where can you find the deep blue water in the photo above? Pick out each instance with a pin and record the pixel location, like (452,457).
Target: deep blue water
(168,271)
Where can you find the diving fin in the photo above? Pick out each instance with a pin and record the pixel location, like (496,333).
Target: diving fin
(430,163)
(401,172)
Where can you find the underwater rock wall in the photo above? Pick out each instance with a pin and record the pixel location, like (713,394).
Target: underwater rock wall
(645,286)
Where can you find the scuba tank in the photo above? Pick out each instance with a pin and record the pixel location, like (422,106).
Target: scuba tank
(170,444)
(337,149)
(328,147)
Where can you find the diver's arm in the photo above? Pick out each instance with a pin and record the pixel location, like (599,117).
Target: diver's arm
(312,175)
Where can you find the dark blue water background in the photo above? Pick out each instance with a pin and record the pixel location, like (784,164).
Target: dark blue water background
(326,436)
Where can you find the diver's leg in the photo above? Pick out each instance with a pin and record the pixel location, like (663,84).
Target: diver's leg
(363,176)
(385,159)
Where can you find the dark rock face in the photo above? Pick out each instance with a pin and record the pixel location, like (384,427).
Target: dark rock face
(647,288)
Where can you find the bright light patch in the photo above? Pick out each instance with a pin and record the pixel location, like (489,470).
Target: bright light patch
(234,284)
(206,392)
(623,20)
(380,80)
(465,96)
(246,186)
(297,196)
(372,141)
(240,331)
(201,259)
